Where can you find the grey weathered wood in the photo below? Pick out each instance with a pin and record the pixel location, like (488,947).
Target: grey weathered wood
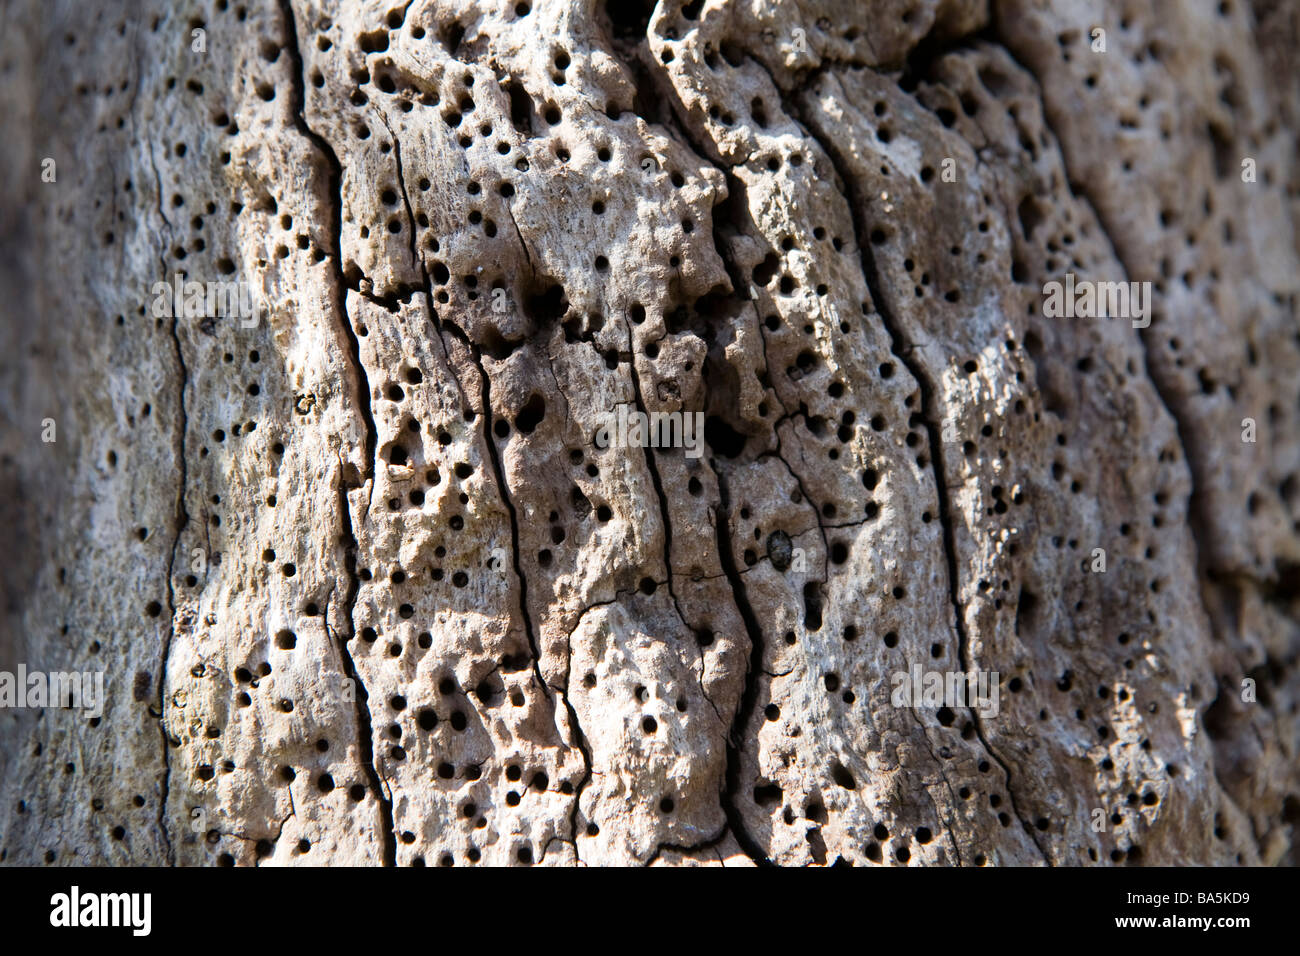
(363,584)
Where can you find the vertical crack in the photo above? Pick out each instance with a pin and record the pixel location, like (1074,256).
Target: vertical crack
(745,710)
(365,731)
(748,843)
(1199,524)
(499,474)
(361,699)
(1198,520)
(902,349)
(340,283)
(416,260)
(580,738)
(182,519)
(655,480)
(735,820)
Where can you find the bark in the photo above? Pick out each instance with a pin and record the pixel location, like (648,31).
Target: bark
(366,583)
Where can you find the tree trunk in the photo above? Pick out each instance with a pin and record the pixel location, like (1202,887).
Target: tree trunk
(686,433)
